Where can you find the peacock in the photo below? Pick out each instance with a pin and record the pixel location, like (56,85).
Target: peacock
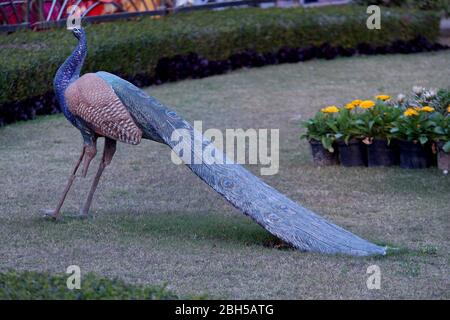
(104,105)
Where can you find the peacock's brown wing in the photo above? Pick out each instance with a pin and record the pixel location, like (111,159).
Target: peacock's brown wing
(93,100)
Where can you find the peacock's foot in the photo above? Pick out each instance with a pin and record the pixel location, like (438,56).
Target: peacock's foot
(51,214)
(84,215)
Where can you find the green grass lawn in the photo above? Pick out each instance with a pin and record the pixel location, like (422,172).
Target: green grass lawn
(28,285)
(157,223)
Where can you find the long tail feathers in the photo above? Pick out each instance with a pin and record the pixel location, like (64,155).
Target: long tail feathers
(272,210)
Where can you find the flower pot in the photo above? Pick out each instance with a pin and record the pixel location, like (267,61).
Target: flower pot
(414,155)
(380,153)
(443,158)
(322,156)
(352,154)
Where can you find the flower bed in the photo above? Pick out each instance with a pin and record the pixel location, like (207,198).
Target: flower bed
(412,131)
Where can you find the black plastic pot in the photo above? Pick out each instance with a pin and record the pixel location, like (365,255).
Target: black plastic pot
(414,155)
(322,156)
(380,153)
(443,158)
(352,154)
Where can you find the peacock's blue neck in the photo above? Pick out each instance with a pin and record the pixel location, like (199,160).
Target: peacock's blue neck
(68,72)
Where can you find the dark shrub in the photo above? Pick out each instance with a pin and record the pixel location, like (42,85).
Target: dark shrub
(437,5)
(131,48)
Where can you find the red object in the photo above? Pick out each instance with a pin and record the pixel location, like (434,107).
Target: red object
(86,4)
(34,15)
(9,11)
(97,11)
(20,9)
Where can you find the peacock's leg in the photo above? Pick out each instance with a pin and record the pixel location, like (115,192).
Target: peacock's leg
(90,153)
(108,153)
(57,212)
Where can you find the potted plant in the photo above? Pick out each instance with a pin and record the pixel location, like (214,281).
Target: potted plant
(414,130)
(442,138)
(438,99)
(442,102)
(376,123)
(352,152)
(321,137)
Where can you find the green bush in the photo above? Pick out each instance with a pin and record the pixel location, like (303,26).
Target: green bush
(437,5)
(30,59)
(43,286)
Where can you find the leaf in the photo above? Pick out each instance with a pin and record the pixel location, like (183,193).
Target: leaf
(327,143)
(332,126)
(446,147)
(395,130)
(423,139)
(439,130)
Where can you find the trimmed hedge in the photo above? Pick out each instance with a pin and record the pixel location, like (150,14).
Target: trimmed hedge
(29,285)
(436,5)
(140,50)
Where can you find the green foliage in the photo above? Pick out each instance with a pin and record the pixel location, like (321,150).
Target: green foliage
(347,126)
(320,128)
(439,99)
(378,121)
(442,130)
(423,116)
(442,104)
(437,5)
(30,59)
(416,125)
(35,285)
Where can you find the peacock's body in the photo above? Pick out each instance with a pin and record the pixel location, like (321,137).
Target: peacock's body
(104,105)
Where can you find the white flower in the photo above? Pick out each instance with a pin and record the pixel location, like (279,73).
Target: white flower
(417,89)
(401,97)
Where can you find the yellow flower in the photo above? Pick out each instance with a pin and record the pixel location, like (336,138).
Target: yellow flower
(410,112)
(448,108)
(352,105)
(427,109)
(367,104)
(383,97)
(330,109)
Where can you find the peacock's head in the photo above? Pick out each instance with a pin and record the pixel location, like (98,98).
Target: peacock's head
(78,32)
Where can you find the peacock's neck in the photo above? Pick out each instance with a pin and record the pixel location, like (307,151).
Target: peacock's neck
(69,71)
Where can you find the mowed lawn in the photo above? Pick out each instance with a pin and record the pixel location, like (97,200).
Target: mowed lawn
(157,223)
